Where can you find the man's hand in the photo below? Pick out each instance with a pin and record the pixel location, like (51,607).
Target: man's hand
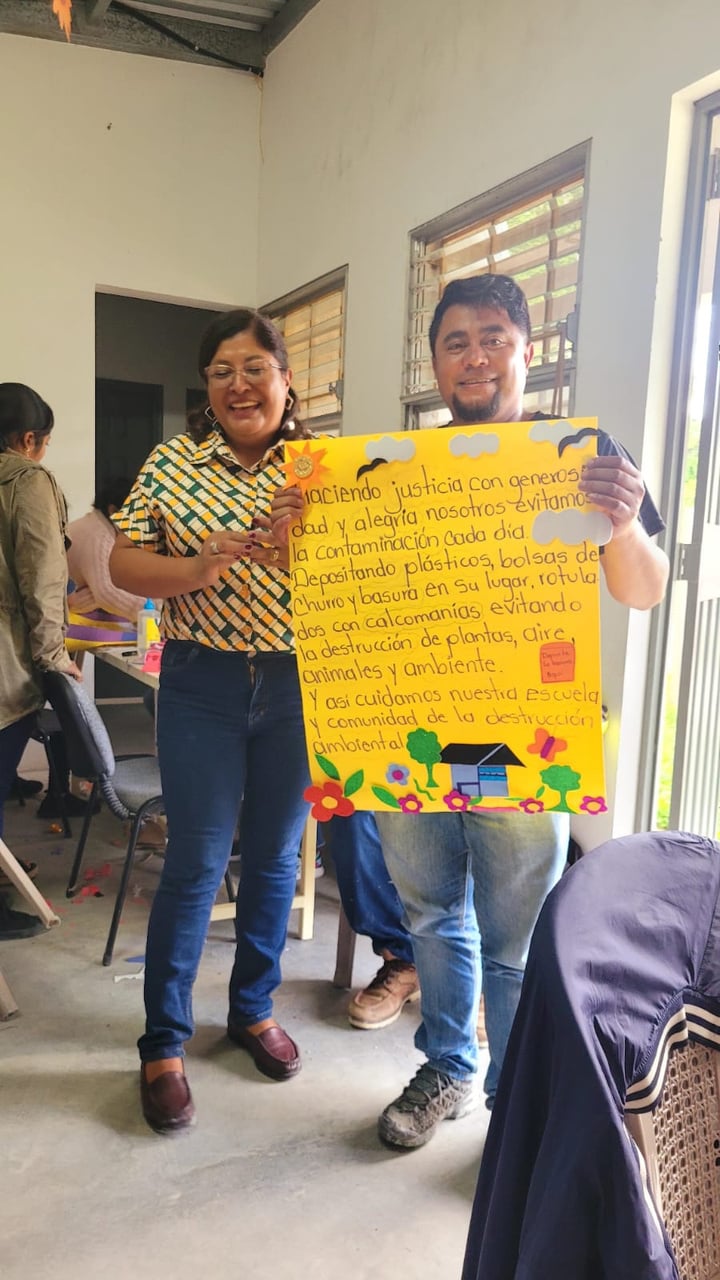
(286,510)
(616,487)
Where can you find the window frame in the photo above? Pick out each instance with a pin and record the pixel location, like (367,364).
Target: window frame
(332,282)
(483,208)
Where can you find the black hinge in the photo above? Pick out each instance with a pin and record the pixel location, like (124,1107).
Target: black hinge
(713,187)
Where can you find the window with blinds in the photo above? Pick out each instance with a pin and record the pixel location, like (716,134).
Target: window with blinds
(534,236)
(312,322)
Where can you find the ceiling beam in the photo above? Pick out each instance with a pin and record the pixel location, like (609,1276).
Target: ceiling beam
(292,13)
(127,32)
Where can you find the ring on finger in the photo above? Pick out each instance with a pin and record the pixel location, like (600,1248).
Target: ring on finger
(214,548)
(275,554)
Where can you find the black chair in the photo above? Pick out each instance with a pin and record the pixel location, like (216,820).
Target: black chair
(129,785)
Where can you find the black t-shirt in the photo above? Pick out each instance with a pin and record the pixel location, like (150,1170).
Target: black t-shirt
(608,447)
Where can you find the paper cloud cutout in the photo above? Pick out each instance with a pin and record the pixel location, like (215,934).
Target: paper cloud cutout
(572,527)
(472,446)
(390,450)
(550,433)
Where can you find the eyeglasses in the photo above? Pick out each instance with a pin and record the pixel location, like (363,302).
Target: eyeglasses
(223,374)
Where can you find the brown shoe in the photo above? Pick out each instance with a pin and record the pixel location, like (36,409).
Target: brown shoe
(274,1053)
(167,1103)
(382,1002)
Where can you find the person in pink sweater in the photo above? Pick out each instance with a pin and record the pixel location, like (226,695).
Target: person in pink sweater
(91,540)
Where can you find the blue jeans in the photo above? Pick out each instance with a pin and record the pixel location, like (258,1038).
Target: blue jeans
(13,741)
(229,730)
(472,886)
(368,895)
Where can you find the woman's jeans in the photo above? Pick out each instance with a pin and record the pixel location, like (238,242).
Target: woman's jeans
(472,887)
(13,741)
(368,896)
(229,730)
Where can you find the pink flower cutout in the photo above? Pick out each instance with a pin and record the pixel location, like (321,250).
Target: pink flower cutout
(532,806)
(410,803)
(593,804)
(456,801)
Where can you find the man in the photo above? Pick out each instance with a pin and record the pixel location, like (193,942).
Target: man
(472,885)
(371,904)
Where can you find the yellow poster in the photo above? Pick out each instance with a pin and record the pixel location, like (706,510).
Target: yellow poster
(446,612)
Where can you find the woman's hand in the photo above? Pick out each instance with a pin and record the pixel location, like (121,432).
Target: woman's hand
(74,672)
(262,546)
(286,510)
(221,549)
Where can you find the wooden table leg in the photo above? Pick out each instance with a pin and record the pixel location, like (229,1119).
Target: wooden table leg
(345,952)
(25,887)
(8,1006)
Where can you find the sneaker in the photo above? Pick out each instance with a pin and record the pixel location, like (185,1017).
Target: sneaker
(74,806)
(23,788)
(431,1096)
(382,1002)
(319,867)
(17,924)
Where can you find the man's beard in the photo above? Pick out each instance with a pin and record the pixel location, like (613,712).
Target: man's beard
(467,413)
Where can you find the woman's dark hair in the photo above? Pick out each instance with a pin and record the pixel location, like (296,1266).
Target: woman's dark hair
(22,410)
(267,336)
(112,493)
(500,293)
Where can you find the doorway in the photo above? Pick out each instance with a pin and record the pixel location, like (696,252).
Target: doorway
(686,785)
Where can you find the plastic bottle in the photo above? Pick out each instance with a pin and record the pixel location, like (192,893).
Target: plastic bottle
(148,627)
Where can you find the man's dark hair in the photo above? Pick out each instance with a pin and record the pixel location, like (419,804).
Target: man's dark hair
(112,493)
(501,293)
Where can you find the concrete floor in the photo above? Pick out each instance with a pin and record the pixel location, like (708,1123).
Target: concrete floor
(276,1180)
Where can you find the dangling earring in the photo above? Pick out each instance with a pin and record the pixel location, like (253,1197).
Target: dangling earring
(208,413)
(289,403)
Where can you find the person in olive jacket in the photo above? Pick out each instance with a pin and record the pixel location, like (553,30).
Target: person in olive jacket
(33,573)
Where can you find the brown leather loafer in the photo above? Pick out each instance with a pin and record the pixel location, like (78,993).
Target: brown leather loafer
(167,1103)
(274,1053)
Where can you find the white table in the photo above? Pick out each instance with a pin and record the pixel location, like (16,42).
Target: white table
(126,660)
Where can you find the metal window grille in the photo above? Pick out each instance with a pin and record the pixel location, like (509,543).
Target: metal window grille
(534,236)
(312,322)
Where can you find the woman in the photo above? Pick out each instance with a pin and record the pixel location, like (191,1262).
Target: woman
(92,538)
(33,573)
(195,531)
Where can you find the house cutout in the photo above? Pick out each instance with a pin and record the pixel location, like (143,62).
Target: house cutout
(480,770)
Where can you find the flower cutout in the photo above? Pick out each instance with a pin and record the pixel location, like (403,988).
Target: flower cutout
(532,806)
(593,804)
(456,801)
(328,802)
(303,466)
(410,803)
(398,774)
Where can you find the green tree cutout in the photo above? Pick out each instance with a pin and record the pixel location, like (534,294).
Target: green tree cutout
(560,778)
(423,745)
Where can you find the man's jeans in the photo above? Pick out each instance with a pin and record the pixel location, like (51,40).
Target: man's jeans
(368,895)
(455,872)
(229,730)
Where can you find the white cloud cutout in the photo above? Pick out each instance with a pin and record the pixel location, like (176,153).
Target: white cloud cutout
(390,450)
(572,527)
(472,446)
(553,433)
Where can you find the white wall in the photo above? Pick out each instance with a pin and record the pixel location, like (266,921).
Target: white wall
(119,172)
(141,341)
(377,117)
